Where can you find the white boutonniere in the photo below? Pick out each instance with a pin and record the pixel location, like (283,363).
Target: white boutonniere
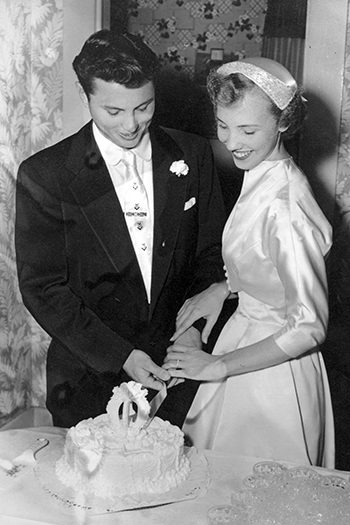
(179,167)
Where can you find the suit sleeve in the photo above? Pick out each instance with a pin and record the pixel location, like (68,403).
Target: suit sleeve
(212,217)
(43,274)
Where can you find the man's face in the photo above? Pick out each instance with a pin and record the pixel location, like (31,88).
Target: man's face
(123,115)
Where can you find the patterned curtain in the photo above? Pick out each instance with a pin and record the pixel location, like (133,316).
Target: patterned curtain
(284,41)
(31,86)
(284,34)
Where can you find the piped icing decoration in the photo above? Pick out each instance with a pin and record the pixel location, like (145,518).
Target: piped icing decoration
(90,443)
(270,76)
(115,455)
(124,396)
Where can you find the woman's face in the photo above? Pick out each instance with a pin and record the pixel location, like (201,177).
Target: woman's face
(250,130)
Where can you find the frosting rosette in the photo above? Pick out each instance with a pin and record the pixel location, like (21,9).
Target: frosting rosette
(124,396)
(87,435)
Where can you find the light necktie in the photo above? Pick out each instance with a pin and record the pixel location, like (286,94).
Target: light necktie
(137,217)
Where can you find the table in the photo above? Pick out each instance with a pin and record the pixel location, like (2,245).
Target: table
(26,503)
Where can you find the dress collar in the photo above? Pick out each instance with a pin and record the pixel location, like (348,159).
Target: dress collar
(113,153)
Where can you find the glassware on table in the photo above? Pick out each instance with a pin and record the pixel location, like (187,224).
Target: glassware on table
(226,515)
(277,495)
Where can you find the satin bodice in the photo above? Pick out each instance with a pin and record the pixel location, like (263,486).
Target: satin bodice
(274,244)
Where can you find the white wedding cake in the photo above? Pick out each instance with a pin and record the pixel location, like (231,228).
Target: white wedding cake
(123,452)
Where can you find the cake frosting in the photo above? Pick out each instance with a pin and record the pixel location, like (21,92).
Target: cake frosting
(123,451)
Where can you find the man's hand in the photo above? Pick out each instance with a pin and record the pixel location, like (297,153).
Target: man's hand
(140,367)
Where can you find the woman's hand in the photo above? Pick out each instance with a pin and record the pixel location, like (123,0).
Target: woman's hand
(192,363)
(207,304)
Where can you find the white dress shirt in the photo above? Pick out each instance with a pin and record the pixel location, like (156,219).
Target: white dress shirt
(112,155)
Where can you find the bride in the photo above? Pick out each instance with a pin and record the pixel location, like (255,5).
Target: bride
(264,390)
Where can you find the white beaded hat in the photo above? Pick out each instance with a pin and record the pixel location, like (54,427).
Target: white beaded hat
(273,78)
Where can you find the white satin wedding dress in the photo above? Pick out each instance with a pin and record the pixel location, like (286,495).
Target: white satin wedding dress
(274,244)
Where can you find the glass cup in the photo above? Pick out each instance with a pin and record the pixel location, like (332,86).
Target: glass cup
(226,515)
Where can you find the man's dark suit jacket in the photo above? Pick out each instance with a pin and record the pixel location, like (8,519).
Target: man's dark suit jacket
(79,275)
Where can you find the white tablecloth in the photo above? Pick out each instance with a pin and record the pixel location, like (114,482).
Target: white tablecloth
(25,502)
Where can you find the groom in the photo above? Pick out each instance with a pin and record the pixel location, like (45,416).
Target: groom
(116,226)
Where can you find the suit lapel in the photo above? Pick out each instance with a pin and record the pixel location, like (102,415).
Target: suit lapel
(94,191)
(169,198)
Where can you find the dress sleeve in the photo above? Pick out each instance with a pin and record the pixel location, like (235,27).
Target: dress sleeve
(299,239)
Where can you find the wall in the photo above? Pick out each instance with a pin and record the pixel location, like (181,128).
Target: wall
(191,37)
(80,19)
(184,32)
(325,143)
(341,251)
(323,81)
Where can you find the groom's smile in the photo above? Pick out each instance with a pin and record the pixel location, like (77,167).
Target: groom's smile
(122,114)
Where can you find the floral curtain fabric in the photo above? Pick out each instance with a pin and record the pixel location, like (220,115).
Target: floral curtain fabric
(31,84)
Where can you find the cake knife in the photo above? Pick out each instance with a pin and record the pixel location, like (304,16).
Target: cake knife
(158,399)
(20,465)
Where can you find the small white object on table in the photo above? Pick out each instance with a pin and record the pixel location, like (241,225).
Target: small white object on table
(26,502)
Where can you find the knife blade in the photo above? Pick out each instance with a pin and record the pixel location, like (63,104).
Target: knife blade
(158,399)
(12,470)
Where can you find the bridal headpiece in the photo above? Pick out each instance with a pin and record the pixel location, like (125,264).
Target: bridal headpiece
(273,78)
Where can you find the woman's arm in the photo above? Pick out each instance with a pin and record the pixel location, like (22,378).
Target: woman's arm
(195,364)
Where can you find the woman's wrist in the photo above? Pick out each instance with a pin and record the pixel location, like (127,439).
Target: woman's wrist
(221,289)
(219,369)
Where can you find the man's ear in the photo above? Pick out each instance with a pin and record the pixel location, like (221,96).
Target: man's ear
(82,94)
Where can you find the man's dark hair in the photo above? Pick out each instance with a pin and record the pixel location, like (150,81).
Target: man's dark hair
(115,57)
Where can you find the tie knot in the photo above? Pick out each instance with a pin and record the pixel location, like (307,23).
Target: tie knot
(129,158)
